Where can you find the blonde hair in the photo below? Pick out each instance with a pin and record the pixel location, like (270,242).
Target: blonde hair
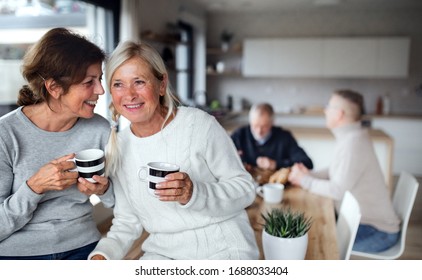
(124,52)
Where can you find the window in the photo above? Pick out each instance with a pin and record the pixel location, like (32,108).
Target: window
(23,22)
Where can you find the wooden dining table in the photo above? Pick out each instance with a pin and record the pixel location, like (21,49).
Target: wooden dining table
(322,240)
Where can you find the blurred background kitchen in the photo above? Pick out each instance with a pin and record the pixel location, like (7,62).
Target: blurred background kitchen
(224,55)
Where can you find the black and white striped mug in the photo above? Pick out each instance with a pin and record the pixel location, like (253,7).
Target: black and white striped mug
(154,172)
(90,162)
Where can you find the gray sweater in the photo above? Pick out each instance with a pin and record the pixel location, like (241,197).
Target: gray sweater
(56,221)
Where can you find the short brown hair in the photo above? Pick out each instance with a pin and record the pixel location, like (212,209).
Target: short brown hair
(355,99)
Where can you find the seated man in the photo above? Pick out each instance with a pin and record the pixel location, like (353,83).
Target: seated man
(355,168)
(263,145)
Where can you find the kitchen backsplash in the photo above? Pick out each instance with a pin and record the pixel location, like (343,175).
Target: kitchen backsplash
(289,95)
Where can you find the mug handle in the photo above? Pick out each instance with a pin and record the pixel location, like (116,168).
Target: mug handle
(260,191)
(140,170)
(74,162)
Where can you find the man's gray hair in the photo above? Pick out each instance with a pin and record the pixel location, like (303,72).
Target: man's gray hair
(261,108)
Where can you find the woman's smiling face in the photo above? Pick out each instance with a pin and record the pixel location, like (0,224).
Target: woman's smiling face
(136,92)
(81,98)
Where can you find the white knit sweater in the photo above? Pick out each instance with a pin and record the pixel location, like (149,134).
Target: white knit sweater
(213,225)
(355,168)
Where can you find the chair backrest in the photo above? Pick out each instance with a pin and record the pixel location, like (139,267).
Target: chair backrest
(347,225)
(403,200)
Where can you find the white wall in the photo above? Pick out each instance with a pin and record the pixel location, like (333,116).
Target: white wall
(283,92)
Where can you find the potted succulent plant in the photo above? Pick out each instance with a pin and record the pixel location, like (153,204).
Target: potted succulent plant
(285,234)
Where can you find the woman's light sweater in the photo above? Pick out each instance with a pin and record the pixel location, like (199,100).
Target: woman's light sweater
(355,167)
(213,225)
(56,221)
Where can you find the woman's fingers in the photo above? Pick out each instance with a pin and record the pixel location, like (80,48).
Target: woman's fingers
(177,187)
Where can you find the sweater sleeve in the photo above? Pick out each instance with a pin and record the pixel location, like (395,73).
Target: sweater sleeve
(348,169)
(321,187)
(16,209)
(236,137)
(107,198)
(233,189)
(296,153)
(321,174)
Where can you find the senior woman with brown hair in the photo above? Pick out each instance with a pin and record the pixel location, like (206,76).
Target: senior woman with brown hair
(45,209)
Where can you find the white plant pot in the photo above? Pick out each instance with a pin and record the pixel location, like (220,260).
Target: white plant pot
(277,248)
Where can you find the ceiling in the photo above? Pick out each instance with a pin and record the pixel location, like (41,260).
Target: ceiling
(287,5)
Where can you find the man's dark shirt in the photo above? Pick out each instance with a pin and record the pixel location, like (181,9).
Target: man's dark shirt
(281,147)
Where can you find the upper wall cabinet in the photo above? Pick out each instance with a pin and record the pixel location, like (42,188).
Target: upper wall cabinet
(327,57)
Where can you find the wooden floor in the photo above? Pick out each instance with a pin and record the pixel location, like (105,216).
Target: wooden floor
(413,249)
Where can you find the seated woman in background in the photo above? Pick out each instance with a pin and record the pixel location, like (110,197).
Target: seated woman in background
(199,212)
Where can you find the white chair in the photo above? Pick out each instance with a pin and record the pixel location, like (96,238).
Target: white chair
(403,200)
(347,225)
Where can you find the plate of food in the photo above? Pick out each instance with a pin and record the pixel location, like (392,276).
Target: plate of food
(280,176)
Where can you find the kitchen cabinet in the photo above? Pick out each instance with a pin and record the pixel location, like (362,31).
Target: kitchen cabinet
(349,57)
(327,57)
(256,59)
(296,57)
(366,57)
(282,57)
(393,57)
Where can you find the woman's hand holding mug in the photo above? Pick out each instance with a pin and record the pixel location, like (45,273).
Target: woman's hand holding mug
(166,182)
(177,187)
(54,176)
(99,187)
(90,165)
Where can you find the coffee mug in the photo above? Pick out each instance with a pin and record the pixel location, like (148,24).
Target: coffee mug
(154,172)
(272,193)
(89,162)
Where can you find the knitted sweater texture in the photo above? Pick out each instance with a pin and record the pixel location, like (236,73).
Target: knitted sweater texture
(213,224)
(355,168)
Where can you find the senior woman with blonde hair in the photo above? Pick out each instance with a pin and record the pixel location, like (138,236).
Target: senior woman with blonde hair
(198,212)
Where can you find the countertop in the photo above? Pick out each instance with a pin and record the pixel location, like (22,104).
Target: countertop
(231,121)
(231,115)
(317,132)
